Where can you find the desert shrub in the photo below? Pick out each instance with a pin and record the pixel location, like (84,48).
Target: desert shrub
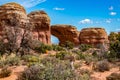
(32,73)
(114,45)
(2,63)
(114,49)
(68,45)
(30,59)
(84,71)
(102,66)
(99,55)
(10,61)
(5,72)
(84,77)
(57,47)
(42,48)
(61,55)
(84,47)
(113,76)
(89,59)
(50,68)
(113,36)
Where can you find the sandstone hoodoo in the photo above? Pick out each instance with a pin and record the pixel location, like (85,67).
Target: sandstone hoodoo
(41,23)
(14,29)
(93,36)
(65,33)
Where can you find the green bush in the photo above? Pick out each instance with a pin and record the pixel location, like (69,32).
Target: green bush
(61,55)
(10,61)
(31,59)
(49,69)
(84,47)
(57,48)
(5,72)
(102,66)
(42,48)
(114,49)
(2,48)
(68,45)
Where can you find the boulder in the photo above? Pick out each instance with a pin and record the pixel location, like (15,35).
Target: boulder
(41,24)
(65,33)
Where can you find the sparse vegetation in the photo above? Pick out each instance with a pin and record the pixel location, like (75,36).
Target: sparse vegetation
(102,66)
(113,76)
(49,69)
(43,48)
(57,47)
(10,61)
(5,72)
(84,47)
(61,55)
(68,45)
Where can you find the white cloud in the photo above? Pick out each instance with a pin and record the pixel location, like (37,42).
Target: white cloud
(117,29)
(86,21)
(25,3)
(59,9)
(108,21)
(113,13)
(111,8)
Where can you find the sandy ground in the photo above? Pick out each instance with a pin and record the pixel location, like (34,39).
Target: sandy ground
(16,70)
(103,75)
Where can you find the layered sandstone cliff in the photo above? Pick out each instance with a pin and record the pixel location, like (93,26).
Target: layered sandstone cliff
(65,33)
(41,23)
(93,36)
(14,29)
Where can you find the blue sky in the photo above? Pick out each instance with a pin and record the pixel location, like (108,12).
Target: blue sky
(80,13)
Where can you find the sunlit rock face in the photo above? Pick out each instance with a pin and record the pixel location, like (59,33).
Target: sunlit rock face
(41,24)
(14,28)
(93,36)
(65,33)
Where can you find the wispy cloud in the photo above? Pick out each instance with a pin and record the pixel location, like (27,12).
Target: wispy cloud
(25,3)
(111,8)
(86,21)
(59,9)
(113,13)
(118,29)
(108,21)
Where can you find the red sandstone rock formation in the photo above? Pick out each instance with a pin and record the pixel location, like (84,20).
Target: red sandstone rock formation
(93,36)
(14,27)
(65,33)
(41,23)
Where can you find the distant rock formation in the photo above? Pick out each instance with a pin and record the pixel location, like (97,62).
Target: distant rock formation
(93,36)
(65,33)
(20,29)
(15,30)
(41,24)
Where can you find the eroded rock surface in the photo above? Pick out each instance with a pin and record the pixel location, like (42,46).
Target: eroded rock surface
(65,33)
(14,27)
(93,36)
(41,23)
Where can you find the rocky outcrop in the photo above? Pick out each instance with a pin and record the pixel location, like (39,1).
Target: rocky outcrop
(93,36)
(41,23)
(65,33)
(15,29)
